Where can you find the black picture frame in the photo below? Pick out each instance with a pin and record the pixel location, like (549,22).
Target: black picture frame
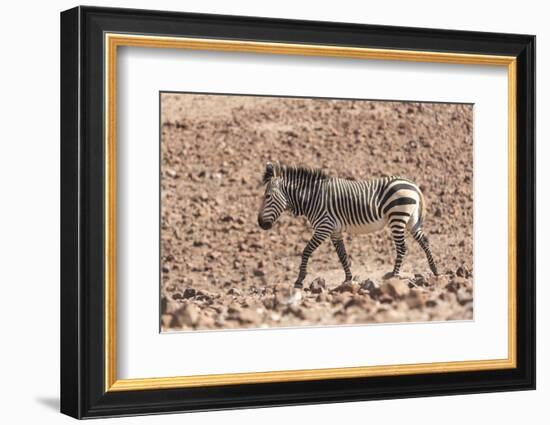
(83,392)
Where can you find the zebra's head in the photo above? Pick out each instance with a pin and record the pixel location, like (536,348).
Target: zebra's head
(274,201)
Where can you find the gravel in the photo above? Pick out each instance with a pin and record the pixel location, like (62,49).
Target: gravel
(219,270)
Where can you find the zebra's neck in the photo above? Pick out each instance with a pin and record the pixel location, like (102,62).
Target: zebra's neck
(303,195)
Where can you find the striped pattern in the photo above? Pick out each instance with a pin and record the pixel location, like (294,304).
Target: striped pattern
(334,206)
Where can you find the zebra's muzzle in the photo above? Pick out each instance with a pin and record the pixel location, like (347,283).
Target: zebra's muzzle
(264,224)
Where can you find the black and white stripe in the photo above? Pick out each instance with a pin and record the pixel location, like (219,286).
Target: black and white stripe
(334,206)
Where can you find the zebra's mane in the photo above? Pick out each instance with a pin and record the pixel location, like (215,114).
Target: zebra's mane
(293,171)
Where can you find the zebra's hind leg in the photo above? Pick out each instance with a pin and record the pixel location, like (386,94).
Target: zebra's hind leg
(338,243)
(319,236)
(398,235)
(422,240)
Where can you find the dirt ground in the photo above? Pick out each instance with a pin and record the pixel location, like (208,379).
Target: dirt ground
(220,270)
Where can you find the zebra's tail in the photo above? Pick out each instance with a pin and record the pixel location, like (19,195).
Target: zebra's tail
(421,209)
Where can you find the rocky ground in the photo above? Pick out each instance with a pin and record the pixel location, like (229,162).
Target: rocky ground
(220,270)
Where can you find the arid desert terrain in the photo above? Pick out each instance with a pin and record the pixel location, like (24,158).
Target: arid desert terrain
(221,271)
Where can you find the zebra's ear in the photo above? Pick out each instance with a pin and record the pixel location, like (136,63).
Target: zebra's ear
(268,173)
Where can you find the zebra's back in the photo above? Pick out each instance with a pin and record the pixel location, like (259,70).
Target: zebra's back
(369,205)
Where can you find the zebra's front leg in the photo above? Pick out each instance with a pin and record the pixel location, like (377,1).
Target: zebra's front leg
(317,239)
(338,243)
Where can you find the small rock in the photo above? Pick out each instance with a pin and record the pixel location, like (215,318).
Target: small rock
(218,308)
(437,281)
(234,291)
(189,293)
(460,282)
(171,173)
(318,285)
(251,302)
(415,299)
(258,273)
(203,295)
(206,322)
(190,315)
(296,311)
(220,322)
(355,301)
(213,256)
(385,299)
(172,307)
(312,315)
(420,280)
(171,288)
(286,294)
(446,297)
(323,297)
(431,303)
(372,288)
(163,303)
(456,284)
(275,317)
(395,288)
(269,302)
(463,296)
(234,309)
(351,287)
(391,315)
(341,298)
(249,315)
(166,320)
(369,285)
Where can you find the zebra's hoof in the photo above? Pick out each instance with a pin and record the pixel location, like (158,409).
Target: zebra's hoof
(298,285)
(390,275)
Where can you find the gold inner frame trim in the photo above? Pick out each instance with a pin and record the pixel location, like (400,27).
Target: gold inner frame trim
(113,41)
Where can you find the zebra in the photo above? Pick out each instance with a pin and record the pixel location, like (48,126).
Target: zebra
(335,205)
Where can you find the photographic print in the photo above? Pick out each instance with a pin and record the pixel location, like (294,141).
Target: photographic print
(292,212)
(339,205)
